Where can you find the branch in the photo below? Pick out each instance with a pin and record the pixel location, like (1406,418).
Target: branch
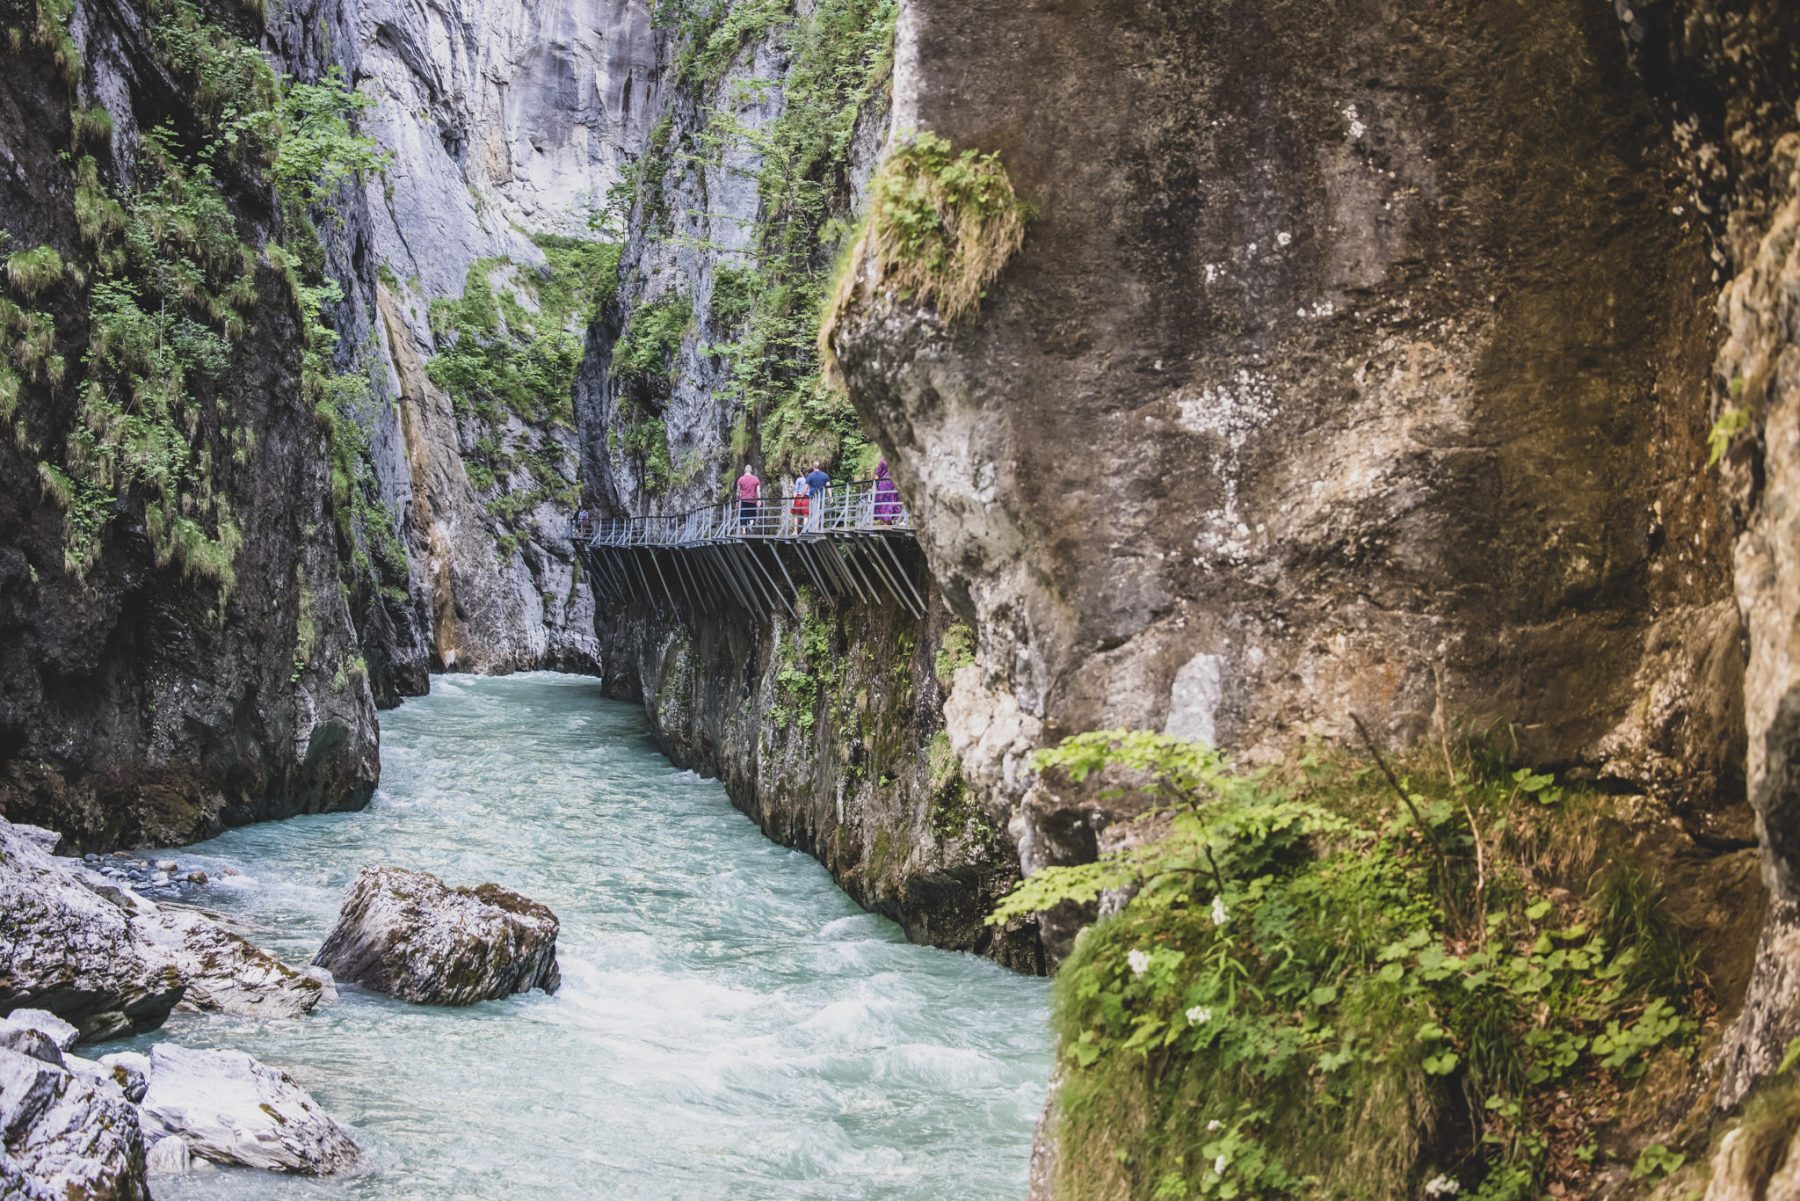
(1400,792)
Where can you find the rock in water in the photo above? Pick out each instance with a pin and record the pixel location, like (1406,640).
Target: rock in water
(65,948)
(409,935)
(65,1136)
(231,1108)
(226,973)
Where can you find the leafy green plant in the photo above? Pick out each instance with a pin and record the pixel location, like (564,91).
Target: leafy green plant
(1331,993)
(646,350)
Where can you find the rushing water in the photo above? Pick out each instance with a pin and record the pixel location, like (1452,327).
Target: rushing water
(729,1025)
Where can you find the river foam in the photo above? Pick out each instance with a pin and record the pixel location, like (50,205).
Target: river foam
(730,1024)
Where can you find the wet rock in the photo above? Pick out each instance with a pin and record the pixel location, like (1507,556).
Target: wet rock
(132,1071)
(108,961)
(167,865)
(195,877)
(59,1032)
(411,936)
(233,1109)
(225,972)
(66,1136)
(49,840)
(66,949)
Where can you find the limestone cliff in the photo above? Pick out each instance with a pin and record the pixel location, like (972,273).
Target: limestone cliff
(508,122)
(827,727)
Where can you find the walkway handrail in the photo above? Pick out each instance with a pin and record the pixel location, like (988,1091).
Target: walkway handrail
(855,506)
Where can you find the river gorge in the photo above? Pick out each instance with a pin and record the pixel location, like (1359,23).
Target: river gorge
(1071,600)
(728,1022)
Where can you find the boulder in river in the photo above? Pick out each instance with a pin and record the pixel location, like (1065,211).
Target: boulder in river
(225,972)
(411,936)
(65,1135)
(230,1108)
(68,949)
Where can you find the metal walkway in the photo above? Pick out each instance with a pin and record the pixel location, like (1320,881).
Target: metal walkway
(849,544)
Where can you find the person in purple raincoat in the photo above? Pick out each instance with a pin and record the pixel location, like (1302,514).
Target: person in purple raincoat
(887,496)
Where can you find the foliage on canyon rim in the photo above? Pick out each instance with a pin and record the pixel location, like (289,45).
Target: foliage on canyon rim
(1315,991)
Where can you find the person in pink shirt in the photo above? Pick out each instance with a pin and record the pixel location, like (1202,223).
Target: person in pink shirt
(748,486)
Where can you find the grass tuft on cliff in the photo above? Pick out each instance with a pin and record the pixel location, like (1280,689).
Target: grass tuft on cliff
(1329,984)
(941,226)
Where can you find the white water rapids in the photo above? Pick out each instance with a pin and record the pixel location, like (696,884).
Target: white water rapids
(730,1024)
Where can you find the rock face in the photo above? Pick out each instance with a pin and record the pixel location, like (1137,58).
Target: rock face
(65,1136)
(229,1108)
(507,119)
(826,727)
(109,962)
(408,935)
(151,689)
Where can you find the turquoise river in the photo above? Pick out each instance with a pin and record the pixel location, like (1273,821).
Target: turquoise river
(730,1024)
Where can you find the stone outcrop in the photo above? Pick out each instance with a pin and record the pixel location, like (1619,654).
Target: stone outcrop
(229,1108)
(66,1134)
(110,962)
(407,934)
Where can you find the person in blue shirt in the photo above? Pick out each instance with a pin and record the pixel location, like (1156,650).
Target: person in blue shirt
(816,483)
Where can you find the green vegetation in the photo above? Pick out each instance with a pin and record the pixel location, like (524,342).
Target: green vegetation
(645,352)
(957,649)
(808,669)
(839,56)
(940,227)
(1333,983)
(513,350)
(30,272)
(171,290)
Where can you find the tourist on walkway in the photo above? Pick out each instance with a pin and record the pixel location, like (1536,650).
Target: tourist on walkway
(817,482)
(747,487)
(802,505)
(887,496)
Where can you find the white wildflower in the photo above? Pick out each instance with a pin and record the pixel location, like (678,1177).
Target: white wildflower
(1219,913)
(1219,1165)
(1214,1126)
(1442,1186)
(1138,961)
(1199,1016)
(1282,239)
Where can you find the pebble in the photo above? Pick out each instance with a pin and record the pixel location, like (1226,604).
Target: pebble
(160,881)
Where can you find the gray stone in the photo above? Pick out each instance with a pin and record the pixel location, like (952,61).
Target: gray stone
(58,1031)
(225,972)
(132,1071)
(232,1109)
(407,934)
(66,949)
(71,1137)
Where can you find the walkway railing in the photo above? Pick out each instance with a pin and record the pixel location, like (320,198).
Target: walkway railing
(858,506)
(841,542)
